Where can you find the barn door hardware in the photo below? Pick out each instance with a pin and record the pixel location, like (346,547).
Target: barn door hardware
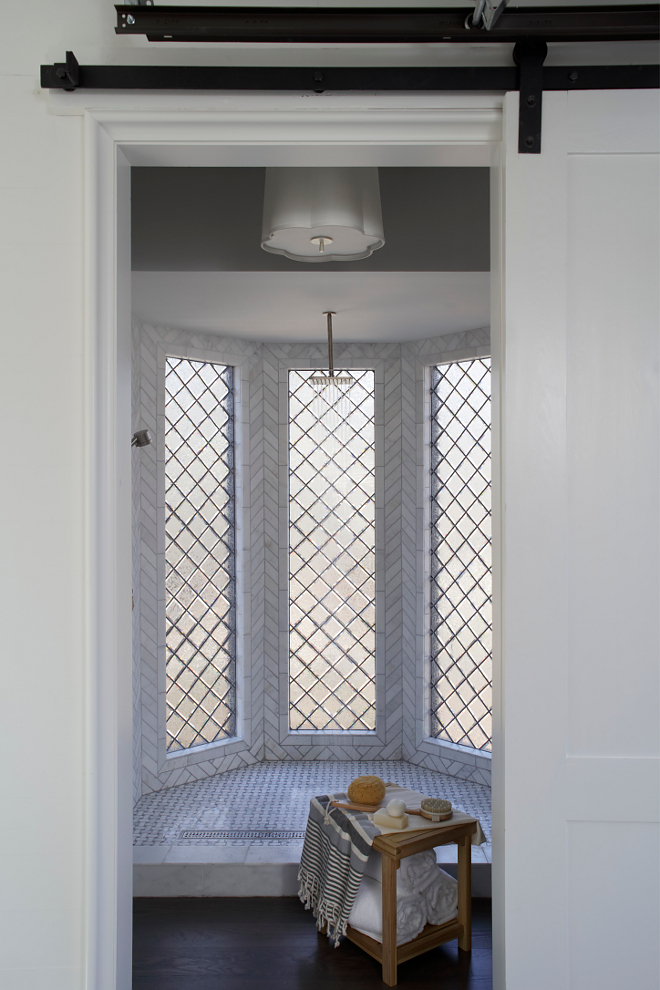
(529,56)
(460,78)
(530,30)
(378,25)
(68,73)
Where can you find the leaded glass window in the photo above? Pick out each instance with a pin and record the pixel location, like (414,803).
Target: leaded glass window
(332,594)
(461,569)
(199,553)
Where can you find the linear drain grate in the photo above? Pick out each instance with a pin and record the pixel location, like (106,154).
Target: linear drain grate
(230,833)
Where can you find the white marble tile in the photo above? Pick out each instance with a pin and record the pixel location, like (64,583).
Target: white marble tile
(168,880)
(275,795)
(446,854)
(449,854)
(144,855)
(259,880)
(274,854)
(207,854)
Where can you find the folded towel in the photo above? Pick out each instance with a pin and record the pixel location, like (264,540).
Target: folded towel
(367,912)
(441,896)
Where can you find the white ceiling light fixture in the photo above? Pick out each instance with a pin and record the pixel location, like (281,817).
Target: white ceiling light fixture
(322,214)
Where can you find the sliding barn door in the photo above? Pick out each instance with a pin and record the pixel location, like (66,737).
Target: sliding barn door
(577,882)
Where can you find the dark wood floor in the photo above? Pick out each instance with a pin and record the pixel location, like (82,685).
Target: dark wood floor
(252,943)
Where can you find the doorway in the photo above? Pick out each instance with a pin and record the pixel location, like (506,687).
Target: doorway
(411,133)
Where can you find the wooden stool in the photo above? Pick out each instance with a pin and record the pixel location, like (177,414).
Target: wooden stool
(394,848)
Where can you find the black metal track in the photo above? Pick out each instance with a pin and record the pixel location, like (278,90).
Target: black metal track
(370,25)
(316,79)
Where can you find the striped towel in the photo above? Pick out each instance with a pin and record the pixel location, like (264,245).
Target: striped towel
(335,854)
(333,862)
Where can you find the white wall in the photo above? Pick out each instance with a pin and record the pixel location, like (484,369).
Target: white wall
(43,595)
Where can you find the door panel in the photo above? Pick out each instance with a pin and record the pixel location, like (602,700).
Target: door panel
(580,542)
(612,402)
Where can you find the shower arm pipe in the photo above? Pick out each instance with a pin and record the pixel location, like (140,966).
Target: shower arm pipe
(331,364)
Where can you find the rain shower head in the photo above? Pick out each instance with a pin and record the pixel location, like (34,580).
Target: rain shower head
(323,381)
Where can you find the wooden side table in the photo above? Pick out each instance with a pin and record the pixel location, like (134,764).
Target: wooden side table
(395,847)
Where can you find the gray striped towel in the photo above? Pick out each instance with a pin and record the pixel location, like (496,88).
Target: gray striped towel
(333,862)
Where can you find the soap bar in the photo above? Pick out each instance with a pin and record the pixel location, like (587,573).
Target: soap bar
(381,817)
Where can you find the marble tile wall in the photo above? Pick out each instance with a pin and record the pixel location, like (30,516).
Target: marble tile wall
(401,659)
(149,617)
(417,357)
(385,743)
(136,455)
(157,769)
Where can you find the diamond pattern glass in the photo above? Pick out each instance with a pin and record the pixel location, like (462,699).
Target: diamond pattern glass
(461,569)
(332,593)
(199,553)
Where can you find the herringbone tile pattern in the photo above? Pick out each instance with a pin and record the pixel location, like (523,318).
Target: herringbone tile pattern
(155,773)
(411,534)
(136,455)
(399,536)
(417,358)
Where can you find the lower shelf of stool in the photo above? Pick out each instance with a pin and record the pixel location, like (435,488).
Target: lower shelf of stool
(429,938)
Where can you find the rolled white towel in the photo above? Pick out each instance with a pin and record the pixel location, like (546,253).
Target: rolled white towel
(412,875)
(417,871)
(374,869)
(367,912)
(441,896)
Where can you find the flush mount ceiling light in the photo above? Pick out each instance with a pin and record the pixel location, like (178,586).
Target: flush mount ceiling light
(322,214)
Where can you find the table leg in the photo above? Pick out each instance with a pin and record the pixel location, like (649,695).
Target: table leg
(464,892)
(389,921)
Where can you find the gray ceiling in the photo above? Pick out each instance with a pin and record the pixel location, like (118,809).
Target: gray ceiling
(209,220)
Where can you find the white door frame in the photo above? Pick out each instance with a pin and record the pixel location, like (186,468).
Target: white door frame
(208,129)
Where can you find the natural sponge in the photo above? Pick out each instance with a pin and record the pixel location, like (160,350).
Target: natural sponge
(366,790)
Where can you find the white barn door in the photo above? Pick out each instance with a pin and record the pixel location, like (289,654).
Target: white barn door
(578,880)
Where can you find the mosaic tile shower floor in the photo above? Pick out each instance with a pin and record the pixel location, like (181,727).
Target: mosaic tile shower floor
(275,796)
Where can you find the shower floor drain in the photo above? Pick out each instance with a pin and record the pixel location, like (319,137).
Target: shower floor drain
(231,833)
